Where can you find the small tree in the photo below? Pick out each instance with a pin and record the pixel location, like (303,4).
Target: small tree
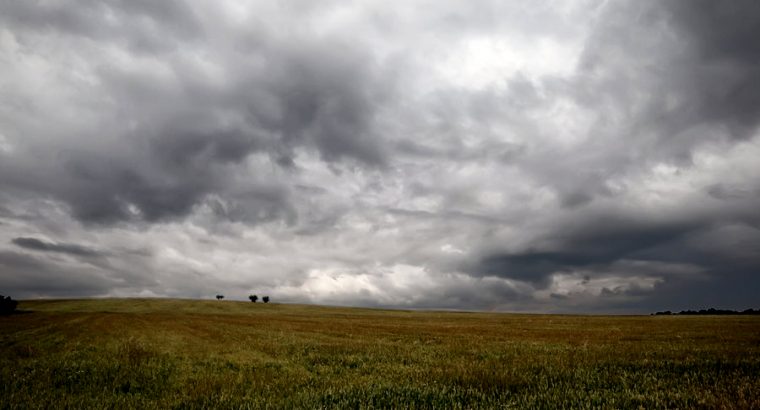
(7,305)
(219,297)
(253,298)
(265,299)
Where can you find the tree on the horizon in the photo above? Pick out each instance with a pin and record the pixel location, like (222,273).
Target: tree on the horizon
(253,298)
(265,299)
(219,297)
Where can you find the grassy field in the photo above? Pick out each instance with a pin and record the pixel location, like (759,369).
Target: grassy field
(147,353)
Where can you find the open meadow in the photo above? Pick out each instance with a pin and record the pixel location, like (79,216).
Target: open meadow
(163,353)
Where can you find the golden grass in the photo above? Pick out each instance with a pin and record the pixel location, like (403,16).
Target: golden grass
(129,353)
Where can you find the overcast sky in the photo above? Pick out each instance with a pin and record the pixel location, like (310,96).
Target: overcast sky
(543,156)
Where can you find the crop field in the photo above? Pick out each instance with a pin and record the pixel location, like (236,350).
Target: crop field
(163,353)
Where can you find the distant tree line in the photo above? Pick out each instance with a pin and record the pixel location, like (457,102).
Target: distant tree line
(253,298)
(711,311)
(7,305)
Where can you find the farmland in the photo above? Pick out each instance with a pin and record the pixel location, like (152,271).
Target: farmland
(146,353)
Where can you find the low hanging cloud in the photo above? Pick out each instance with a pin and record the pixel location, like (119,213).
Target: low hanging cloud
(571,156)
(66,248)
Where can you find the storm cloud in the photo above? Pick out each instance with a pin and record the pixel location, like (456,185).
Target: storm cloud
(582,156)
(39,245)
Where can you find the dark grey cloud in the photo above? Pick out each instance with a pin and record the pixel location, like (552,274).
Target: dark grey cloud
(697,62)
(67,248)
(728,61)
(164,144)
(326,97)
(29,277)
(593,242)
(720,31)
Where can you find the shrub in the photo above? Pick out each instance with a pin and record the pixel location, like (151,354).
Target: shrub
(265,299)
(7,305)
(219,297)
(253,298)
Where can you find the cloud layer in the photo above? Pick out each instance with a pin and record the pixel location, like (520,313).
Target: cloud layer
(568,156)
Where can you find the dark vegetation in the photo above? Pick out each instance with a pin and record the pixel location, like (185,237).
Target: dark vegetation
(153,353)
(219,297)
(7,305)
(711,311)
(254,298)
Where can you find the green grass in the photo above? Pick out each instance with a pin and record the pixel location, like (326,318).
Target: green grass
(154,353)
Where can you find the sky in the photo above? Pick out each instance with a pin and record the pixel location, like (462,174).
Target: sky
(547,156)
